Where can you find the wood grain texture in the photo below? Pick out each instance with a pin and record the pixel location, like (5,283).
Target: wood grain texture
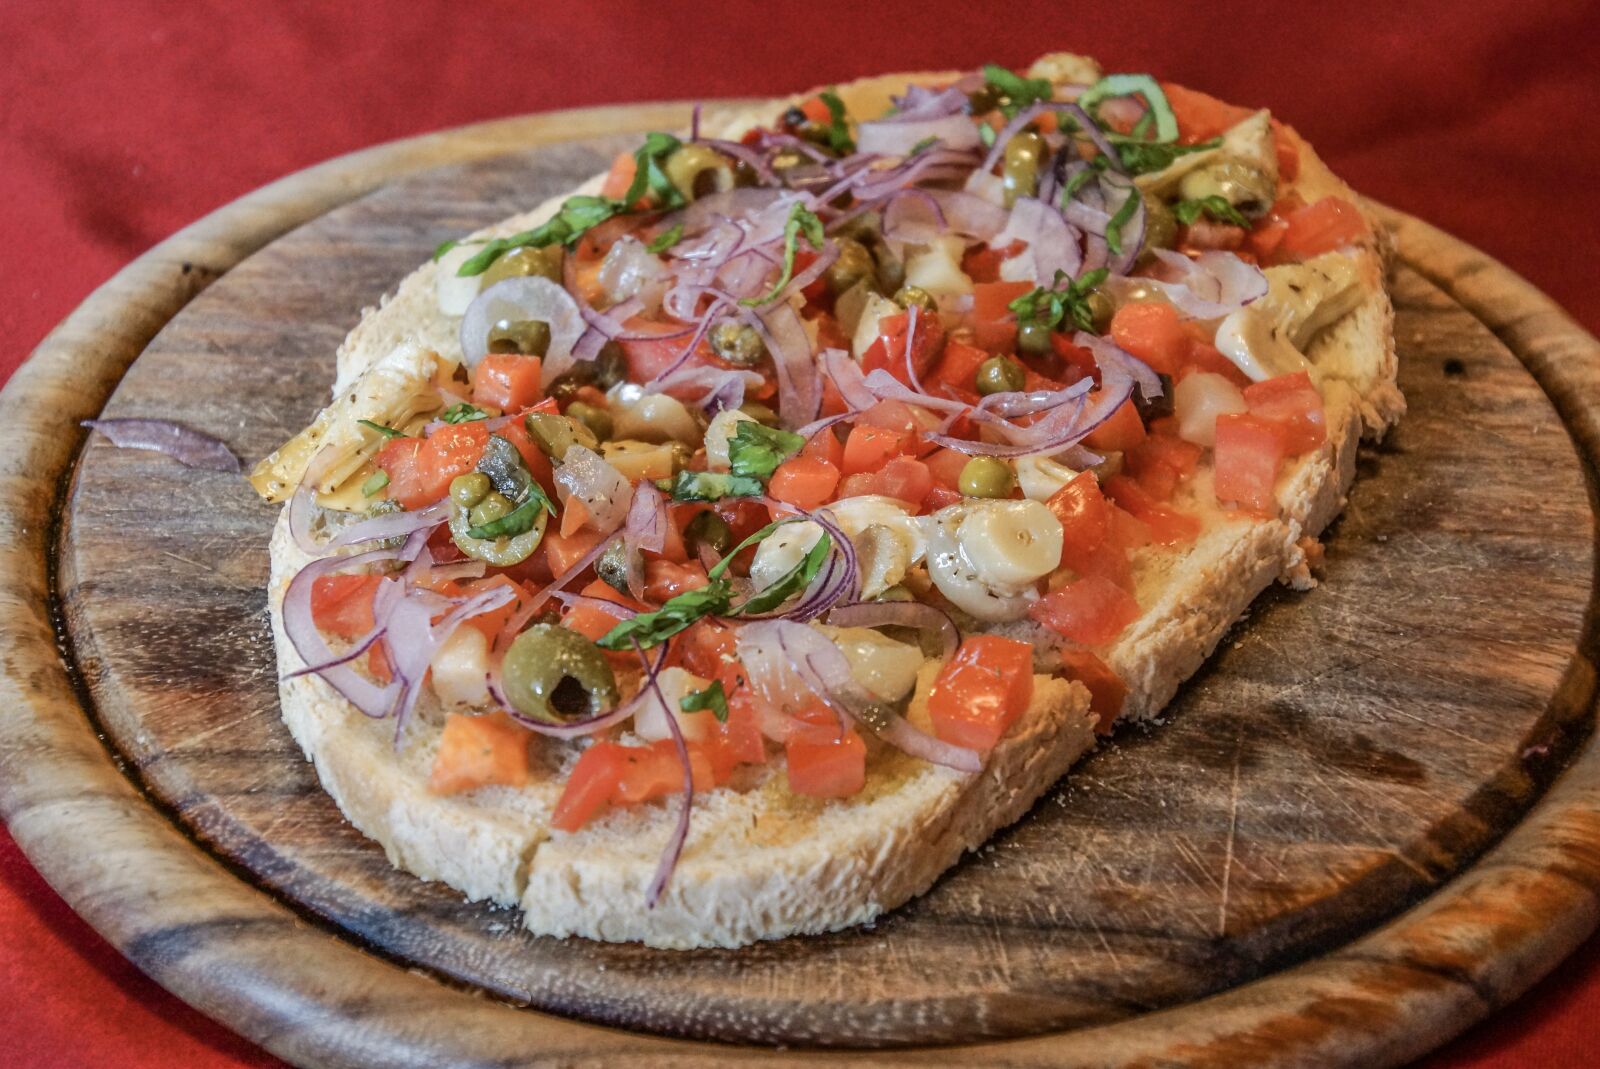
(1353,749)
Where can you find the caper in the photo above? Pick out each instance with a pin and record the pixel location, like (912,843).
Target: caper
(597,419)
(1101,309)
(525,262)
(1160,226)
(853,264)
(528,337)
(609,367)
(709,530)
(554,675)
(1023,160)
(891,269)
(557,434)
(739,344)
(698,170)
(906,296)
(469,489)
(1000,374)
(1033,338)
(612,567)
(493,506)
(1245,187)
(984,99)
(760,413)
(987,477)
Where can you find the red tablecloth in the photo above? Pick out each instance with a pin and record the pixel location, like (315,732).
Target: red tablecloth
(121,121)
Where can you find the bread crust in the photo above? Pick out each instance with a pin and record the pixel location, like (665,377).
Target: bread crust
(762,863)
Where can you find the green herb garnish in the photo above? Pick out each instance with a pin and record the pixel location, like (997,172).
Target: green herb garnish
(795,580)
(801,221)
(713,698)
(387,432)
(1015,91)
(1147,157)
(375,482)
(653,628)
(756,450)
(519,520)
(709,486)
(1121,85)
(839,138)
(462,412)
(1120,219)
(666,239)
(1187,211)
(1049,306)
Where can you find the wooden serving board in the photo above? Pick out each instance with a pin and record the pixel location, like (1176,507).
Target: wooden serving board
(1291,869)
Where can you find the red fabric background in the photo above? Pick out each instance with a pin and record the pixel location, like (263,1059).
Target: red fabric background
(122,120)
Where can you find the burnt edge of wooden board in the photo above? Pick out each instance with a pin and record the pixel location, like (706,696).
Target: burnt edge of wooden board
(312,999)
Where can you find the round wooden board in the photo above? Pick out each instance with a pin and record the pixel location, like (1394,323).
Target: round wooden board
(1345,756)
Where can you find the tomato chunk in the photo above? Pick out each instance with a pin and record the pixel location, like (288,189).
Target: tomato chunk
(1153,333)
(825,759)
(563,552)
(1122,431)
(1294,405)
(480,751)
(1168,526)
(594,621)
(1107,691)
(804,482)
(1328,224)
(420,469)
(1161,461)
(958,369)
(1249,451)
(981,691)
(341,605)
(590,785)
(1091,611)
(656,771)
(870,448)
(506,381)
(904,479)
(492,621)
(665,579)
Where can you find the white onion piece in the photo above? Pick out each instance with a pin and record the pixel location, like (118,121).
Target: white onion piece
(629,268)
(1052,244)
(529,297)
(1208,287)
(1198,400)
(604,491)
(656,417)
(897,137)
(455,294)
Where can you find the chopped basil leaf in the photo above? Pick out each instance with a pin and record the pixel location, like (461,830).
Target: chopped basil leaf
(800,221)
(666,239)
(987,135)
(710,486)
(1187,211)
(519,520)
(756,450)
(1016,92)
(653,628)
(713,698)
(1081,179)
(462,412)
(375,482)
(387,432)
(502,462)
(1130,204)
(1146,157)
(1049,306)
(1121,85)
(795,580)
(719,568)
(838,126)
(650,175)
(928,142)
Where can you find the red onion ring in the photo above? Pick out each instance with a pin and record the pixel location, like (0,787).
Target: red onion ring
(680,832)
(188,447)
(913,614)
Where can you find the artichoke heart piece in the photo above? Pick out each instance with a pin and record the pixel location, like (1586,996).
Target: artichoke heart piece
(398,391)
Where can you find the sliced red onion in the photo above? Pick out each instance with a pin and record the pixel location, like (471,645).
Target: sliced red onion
(913,614)
(1014,404)
(188,447)
(605,605)
(799,389)
(1113,359)
(388,525)
(411,640)
(680,832)
(604,490)
(303,505)
(711,388)
(914,215)
(1072,112)
(529,297)
(922,102)
(530,610)
(846,376)
(907,738)
(465,569)
(646,529)
(745,155)
(898,136)
(1052,244)
(300,627)
(1208,287)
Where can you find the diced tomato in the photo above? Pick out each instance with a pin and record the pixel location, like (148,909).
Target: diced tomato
(654,347)
(905,479)
(816,110)
(855,486)
(958,369)
(1078,362)
(341,605)
(1168,526)
(825,759)
(507,381)
(1203,356)
(1202,117)
(1084,513)
(620,177)
(593,621)
(738,740)
(1160,462)
(939,497)
(981,263)
(1152,332)
(1128,530)
(1209,235)
(981,691)
(870,448)
(1107,691)
(1248,454)
(992,300)
(891,415)
(1267,236)
(1122,431)
(706,649)
(492,621)
(420,469)
(479,751)
(590,786)
(945,466)
(1286,145)
(564,552)
(1091,611)
(664,580)
(1293,403)
(888,352)
(1330,223)
(824,445)
(656,771)
(804,482)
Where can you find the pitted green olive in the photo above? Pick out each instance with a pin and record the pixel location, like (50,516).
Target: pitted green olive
(555,675)
(699,170)
(709,530)
(556,434)
(524,262)
(501,552)
(853,264)
(1247,188)
(527,337)
(1023,160)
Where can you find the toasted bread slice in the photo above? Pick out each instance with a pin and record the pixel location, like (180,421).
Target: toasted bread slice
(761,862)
